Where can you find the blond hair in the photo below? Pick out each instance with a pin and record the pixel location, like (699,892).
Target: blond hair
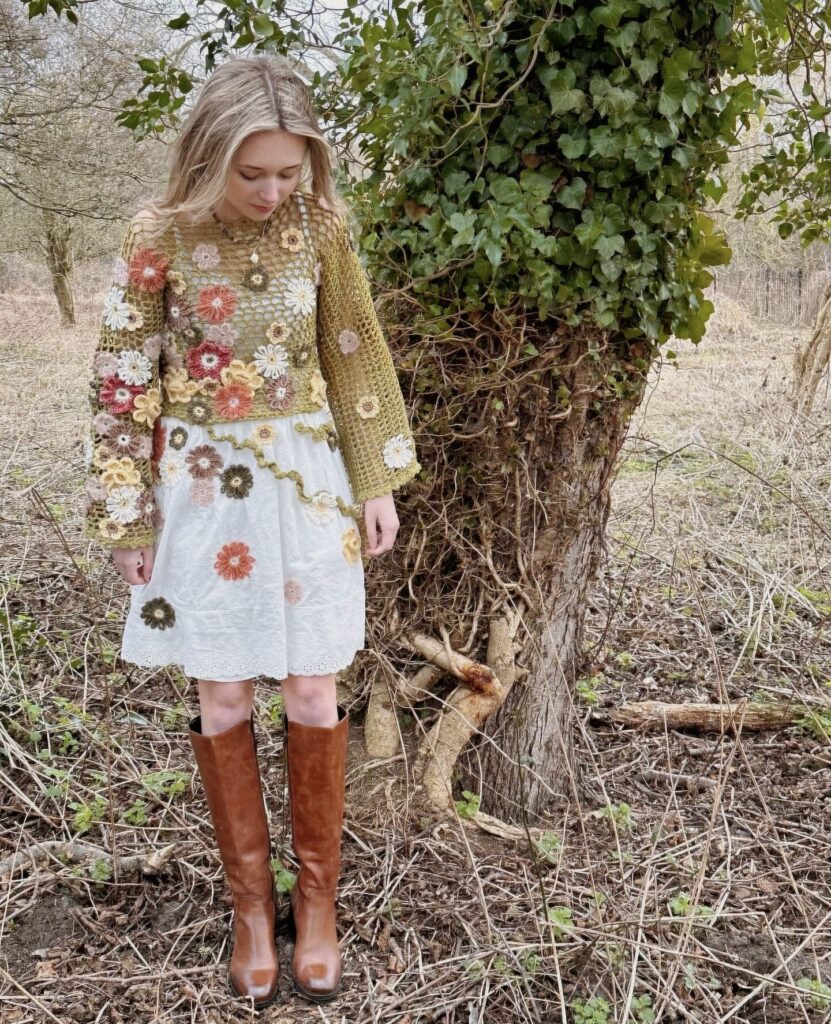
(242,96)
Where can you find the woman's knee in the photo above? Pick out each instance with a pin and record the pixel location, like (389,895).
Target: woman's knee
(309,698)
(229,697)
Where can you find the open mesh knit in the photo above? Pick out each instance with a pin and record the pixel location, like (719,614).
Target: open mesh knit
(193,329)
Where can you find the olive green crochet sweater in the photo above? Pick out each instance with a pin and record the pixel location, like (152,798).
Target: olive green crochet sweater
(194,329)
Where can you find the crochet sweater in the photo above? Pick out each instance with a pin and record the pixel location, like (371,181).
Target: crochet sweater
(194,329)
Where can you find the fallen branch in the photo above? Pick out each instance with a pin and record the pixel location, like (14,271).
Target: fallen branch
(655,714)
(80,853)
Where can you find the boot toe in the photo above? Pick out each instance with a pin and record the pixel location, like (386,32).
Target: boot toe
(260,984)
(318,978)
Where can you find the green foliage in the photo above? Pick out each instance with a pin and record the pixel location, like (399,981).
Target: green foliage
(820,992)
(620,813)
(86,815)
(817,721)
(682,906)
(283,878)
(560,920)
(166,783)
(548,847)
(468,807)
(591,1011)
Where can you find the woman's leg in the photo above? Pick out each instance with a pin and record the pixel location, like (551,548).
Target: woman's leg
(316,739)
(311,700)
(224,704)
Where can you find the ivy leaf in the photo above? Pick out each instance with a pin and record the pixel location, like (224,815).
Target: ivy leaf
(573,195)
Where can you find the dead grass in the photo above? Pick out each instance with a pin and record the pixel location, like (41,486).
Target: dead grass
(668,900)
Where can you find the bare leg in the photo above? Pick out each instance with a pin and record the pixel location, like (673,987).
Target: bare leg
(311,700)
(224,704)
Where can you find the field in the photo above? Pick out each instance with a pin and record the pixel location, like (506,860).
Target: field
(689,876)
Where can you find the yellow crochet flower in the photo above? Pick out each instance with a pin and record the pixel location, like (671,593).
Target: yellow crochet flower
(367,407)
(111,530)
(292,239)
(263,433)
(135,321)
(120,472)
(177,282)
(146,408)
(351,543)
(238,372)
(178,386)
(317,388)
(100,456)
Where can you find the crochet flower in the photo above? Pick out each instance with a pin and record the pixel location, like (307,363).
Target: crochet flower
(292,239)
(206,256)
(238,372)
(111,530)
(179,387)
(216,303)
(256,278)
(351,545)
(271,360)
(368,406)
(202,493)
(197,410)
(120,473)
(263,433)
(348,341)
(105,364)
(301,353)
(208,360)
(203,461)
(234,561)
(152,346)
(158,613)
(178,438)
(224,334)
(124,441)
(176,282)
(146,408)
(171,468)
(398,452)
(118,396)
(276,332)
(237,481)
(148,270)
(117,312)
(122,504)
(178,312)
(120,275)
(293,592)
(322,508)
(280,393)
(95,489)
(233,401)
(135,321)
(317,388)
(134,367)
(103,422)
(300,295)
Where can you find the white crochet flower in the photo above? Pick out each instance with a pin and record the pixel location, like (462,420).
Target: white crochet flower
(122,504)
(118,314)
(205,256)
(171,468)
(398,452)
(323,507)
(134,367)
(300,294)
(120,272)
(271,360)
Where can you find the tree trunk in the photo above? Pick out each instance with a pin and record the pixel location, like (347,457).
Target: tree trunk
(528,762)
(57,251)
(811,362)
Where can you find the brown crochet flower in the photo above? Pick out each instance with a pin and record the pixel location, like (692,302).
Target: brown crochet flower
(237,481)
(280,393)
(158,613)
(203,461)
(178,438)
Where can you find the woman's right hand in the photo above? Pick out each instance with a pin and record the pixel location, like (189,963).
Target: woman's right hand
(134,564)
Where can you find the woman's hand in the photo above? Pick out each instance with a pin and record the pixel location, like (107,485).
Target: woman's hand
(381,518)
(134,564)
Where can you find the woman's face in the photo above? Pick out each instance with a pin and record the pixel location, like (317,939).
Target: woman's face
(265,171)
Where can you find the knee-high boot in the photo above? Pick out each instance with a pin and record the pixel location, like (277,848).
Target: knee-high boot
(231,779)
(316,759)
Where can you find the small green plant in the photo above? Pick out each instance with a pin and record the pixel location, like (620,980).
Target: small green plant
(274,709)
(100,870)
(468,807)
(624,660)
(587,687)
(530,961)
(136,814)
(560,920)
(175,717)
(166,783)
(682,906)
(643,1012)
(620,813)
(86,815)
(591,1011)
(548,846)
(818,723)
(283,878)
(820,992)
(474,969)
(60,787)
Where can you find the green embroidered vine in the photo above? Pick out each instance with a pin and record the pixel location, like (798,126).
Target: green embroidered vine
(350,511)
(324,432)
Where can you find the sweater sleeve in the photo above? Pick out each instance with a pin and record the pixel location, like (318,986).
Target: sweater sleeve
(125,398)
(363,391)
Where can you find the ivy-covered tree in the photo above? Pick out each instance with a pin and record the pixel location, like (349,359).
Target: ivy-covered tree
(533,201)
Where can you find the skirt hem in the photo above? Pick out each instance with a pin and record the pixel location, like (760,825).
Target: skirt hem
(225,674)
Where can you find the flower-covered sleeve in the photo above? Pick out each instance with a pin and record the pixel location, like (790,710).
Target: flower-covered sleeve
(124,396)
(362,387)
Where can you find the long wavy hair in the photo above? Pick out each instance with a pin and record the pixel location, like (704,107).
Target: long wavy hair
(242,96)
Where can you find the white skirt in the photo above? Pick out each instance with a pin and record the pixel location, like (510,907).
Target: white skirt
(254,573)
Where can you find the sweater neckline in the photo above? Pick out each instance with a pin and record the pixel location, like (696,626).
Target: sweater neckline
(248,229)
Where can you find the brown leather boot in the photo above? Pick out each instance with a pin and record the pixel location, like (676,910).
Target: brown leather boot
(316,759)
(231,778)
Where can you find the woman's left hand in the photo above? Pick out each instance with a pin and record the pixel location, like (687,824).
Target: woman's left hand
(381,524)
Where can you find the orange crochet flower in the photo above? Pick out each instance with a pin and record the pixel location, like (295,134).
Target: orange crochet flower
(233,401)
(234,561)
(216,303)
(148,270)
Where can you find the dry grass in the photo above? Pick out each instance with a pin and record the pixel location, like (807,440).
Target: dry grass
(694,887)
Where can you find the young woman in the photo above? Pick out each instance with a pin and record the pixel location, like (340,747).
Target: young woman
(247,433)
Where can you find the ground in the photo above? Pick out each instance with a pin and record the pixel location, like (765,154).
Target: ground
(688,878)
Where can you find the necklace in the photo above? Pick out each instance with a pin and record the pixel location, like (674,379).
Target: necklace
(256,277)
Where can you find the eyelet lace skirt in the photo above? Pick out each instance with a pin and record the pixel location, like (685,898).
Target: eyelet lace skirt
(258,564)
